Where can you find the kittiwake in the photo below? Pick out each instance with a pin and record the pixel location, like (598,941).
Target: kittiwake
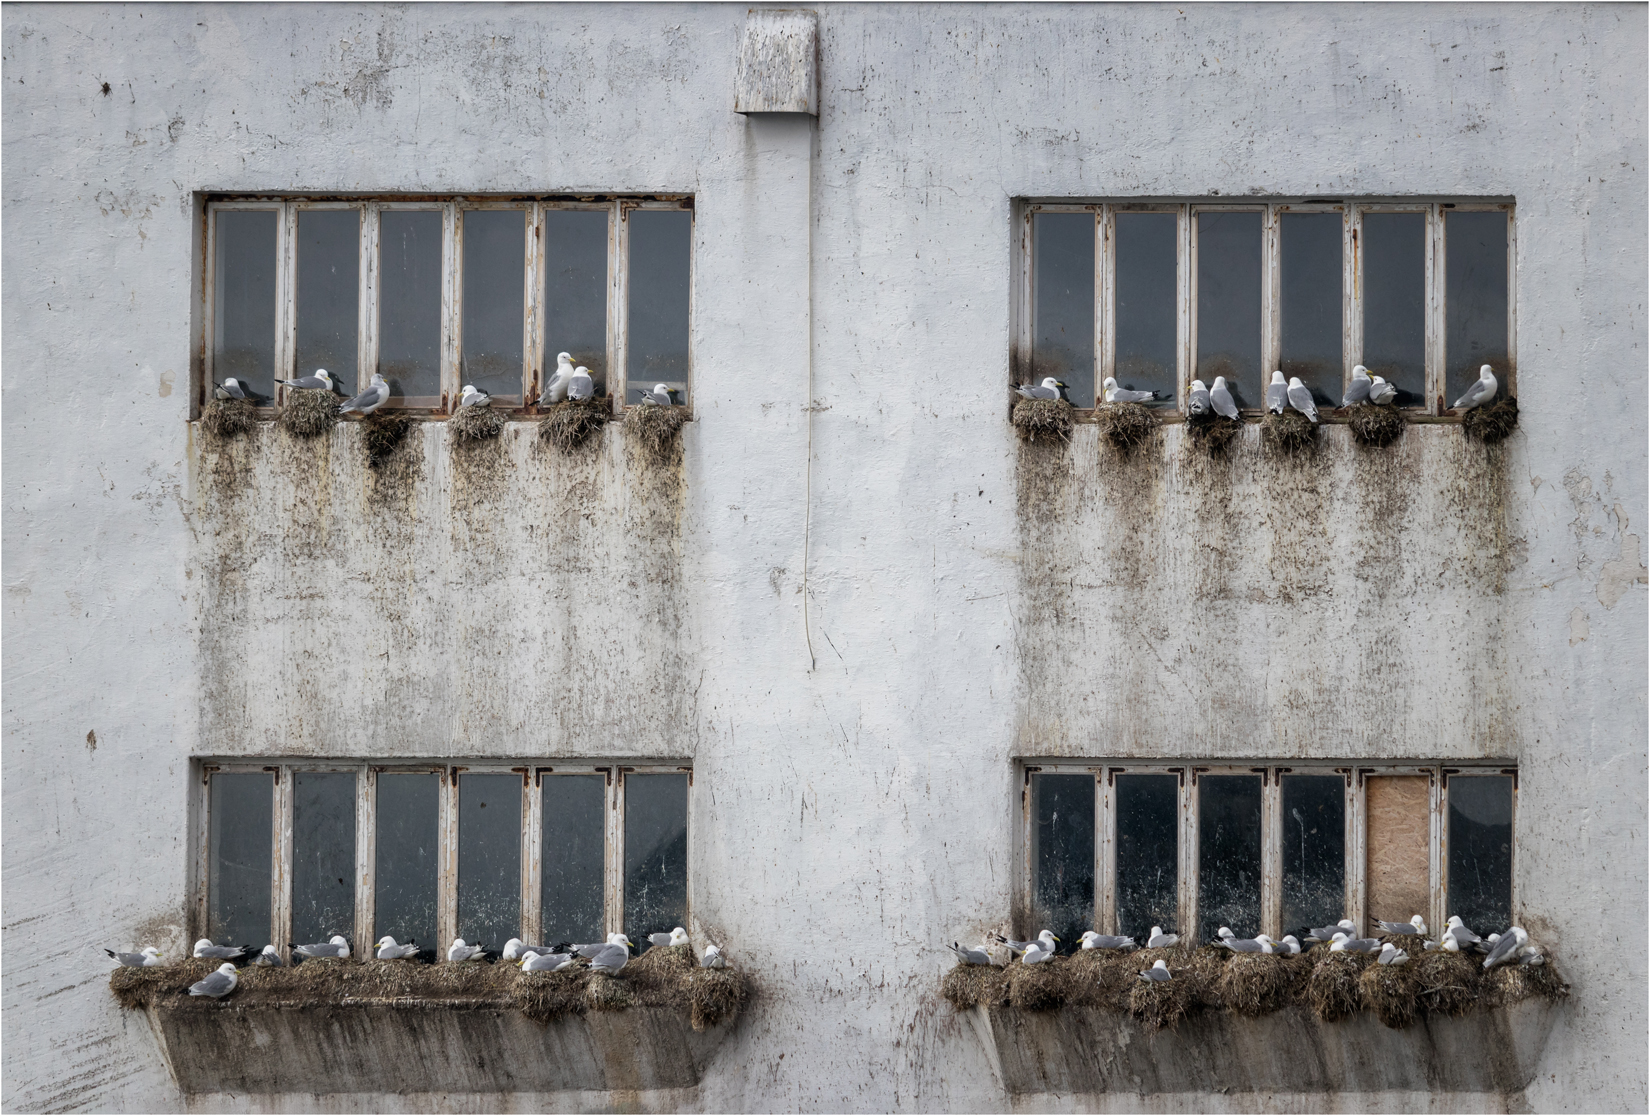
(1159,971)
(1300,398)
(376,395)
(217,985)
(1482,391)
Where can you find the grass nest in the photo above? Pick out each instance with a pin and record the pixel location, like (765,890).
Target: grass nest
(655,427)
(1291,431)
(568,425)
(1127,425)
(228,418)
(1447,983)
(1255,984)
(1375,425)
(383,433)
(1391,992)
(1493,423)
(1213,433)
(309,412)
(1196,985)
(476,424)
(1511,984)
(1332,990)
(1043,418)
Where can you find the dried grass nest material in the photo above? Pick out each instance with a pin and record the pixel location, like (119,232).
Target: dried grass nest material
(476,424)
(1290,431)
(655,426)
(308,412)
(1044,419)
(1375,425)
(1212,432)
(228,418)
(382,434)
(1127,425)
(569,424)
(1493,423)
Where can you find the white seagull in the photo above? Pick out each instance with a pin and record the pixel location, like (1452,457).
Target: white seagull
(1044,940)
(1220,398)
(1092,940)
(1511,944)
(205,948)
(1159,940)
(556,390)
(1115,394)
(1036,953)
(580,385)
(147,958)
(270,958)
(676,937)
(336,947)
(217,985)
(713,958)
(1358,390)
(1300,398)
(1197,403)
(1326,933)
(1290,945)
(1457,931)
(591,950)
(659,395)
(1343,944)
(546,962)
(1277,395)
(611,958)
(1380,392)
(1260,943)
(461,950)
(971,956)
(474,397)
(1481,392)
(376,395)
(321,381)
(1391,955)
(1416,925)
(231,388)
(1159,971)
(388,950)
(1050,388)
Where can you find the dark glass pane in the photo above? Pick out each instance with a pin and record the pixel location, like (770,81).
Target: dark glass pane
(575,291)
(323,856)
(406,878)
(1394,247)
(1398,811)
(489,859)
(1480,851)
(495,269)
(659,285)
(1062,856)
(1475,299)
(1146,296)
(244,298)
(329,293)
(1062,253)
(1228,855)
(1310,289)
(1148,848)
(409,308)
(574,841)
(655,854)
(1314,852)
(1228,304)
(241,847)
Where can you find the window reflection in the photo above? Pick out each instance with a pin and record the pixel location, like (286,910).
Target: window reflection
(1062,856)
(1063,347)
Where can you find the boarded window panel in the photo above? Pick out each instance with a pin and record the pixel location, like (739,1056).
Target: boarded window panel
(240,844)
(574,844)
(329,293)
(655,854)
(1228,854)
(1480,851)
(1398,873)
(243,298)
(1147,275)
(1310,295)
(1062,855)
(1394,247)
(657,312)
(1475,299)
(323,855)
(489,859)
(1148,853)
(409,305)
(494,314)
(1062,254)
(407,855)
(575,290)
(1314,852)
(1228,303)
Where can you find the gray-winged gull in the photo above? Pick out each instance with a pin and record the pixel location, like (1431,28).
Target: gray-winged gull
(217,985)
(676,937)
(205,948)
(1343,944)
(515,949)
(1036,953)
(1391,955)
(1325,933)
(713,958)
(1115,394)
(1197,403)
(1300,398)
(971,956)
(611,958)
(1045,939)
(1093,940)
(146,958)
(1416,925)
(321,381)
(660,396)
(376,395)
(270,958)
(546,962)
(1459,931)
(1277,395)
(1380,392)
(390,950)
(1510,945)
(1220,398)
(556,390)
(231,388)
(1159,940)
(1159,971)
(338,946)
(473,396)
(1290,945)
(1260,943)
(1050,388)
(580,385)
(461,950)
(1358,390)
(1482,391)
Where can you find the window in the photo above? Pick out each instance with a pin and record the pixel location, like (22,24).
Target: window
(437,293)
(296,852)
(1264,849)
(1156,294)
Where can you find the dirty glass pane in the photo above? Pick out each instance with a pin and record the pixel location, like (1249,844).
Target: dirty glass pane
(494,315)
(1062,856)
(1146,261)
(409,308)
(1480,851)
(655,854)
(1148,845)
(329,293)
(240,843)
(243,298)
(1062,254)
(1394,247)
(489,859)
(1310,296)
(574,841)
(1399,873)
(1314,852)
(405,880)
(1475,299)
(323,856)
(575,291)
(1228,855)
(659,285)
(1228,304)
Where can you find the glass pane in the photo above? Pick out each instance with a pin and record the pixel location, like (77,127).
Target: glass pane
(656,345)
(495,271)
(405,880)
(409,308)
(1148,846)
(241,843)
(1062,253)
(323,856)
(1228,855)
(1399,873)
(1395,302)
(1480,851)
(574,842)
(1062,856)
(575,291)
(1314,852)
(489,859)
(1228,304)
(1475,299)
(329,293)
(1310,290)
(243,298)
(655,854)
(1146,255)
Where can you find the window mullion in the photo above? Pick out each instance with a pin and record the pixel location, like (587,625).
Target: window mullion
(366,860)
(1105,866)
(367,313)
(614,919)
(1187,327)
(531,859)
(532,319)
(1271,853)
(1512,303)
(286,283)
(1438,824)
(1105,293)
(1352,292)
(618,315)
(447,861)
(1271,294)
(1357,842)
(452,246)
(1188,855)
(1435,379)
(281,883)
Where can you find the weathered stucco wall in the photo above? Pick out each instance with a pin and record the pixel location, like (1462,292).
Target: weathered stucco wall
(967,601)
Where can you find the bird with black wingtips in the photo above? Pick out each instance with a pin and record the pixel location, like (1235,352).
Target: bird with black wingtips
(1050,388)
(612,957)
(146,958)
(391,950)
(1381,392)
(231,388)
(1158,972)
(676,937)
(580,385)
(1358,390)
(376,395)
(1220,398)
(337,947)
(1481,392)
(461,951)
(321,381)
(1197,403)
(1510,946)
(1094,940)
(1115,394)
(713,958)
(473,396)
(546,962)
(205,948)
(1327,933)
(971,956)
(1300,398)
(1159,940)
(1416,925)
(1277,395)
(270,958)
(217,985)
(1341,943)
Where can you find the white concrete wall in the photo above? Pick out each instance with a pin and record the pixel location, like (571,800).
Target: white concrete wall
(854,802)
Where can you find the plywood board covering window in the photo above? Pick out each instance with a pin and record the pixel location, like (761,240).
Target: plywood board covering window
(1399,821)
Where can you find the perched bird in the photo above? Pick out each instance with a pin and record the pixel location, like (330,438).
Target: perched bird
(1510,945)
(1391,955)
(1160,940)
(611,958)
(1092,940)
(1380,392)
(1277,395)
(1325,933)
(376,395)
(1300,398)
(971,956)
(472,396)
(592,949)
(1159,971)
(1220,398)
(1260,943)
(1343,944)
(660,395)
(336,947)
(270,958)
(1482,391)
(1533,956)
(231,388)
(546,962)
(1050,388)
(1290,945)
(515,949)
(1416,925)
(676,937)
(1429,945)
(556,390)
(322,381)
(1457,930)
(1036,953)
(218,984)
(147,958)
(388,950)
(461,950)
(1358,390)
(1045,939)
(713,958)
(1197,403)
(1115,394)
(580,385)
(205,948)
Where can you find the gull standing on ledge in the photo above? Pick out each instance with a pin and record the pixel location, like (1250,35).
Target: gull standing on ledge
(1358,390)
(321,381)
(1160,940)
(1481,392)
(1277,395)
(556,390)
(1198,402)
(1380,392)
(1159,971)
(1300,397)
(1220,398)
(580,385)
(1050,388)
(1115,394)
(219,984)
(376,395)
